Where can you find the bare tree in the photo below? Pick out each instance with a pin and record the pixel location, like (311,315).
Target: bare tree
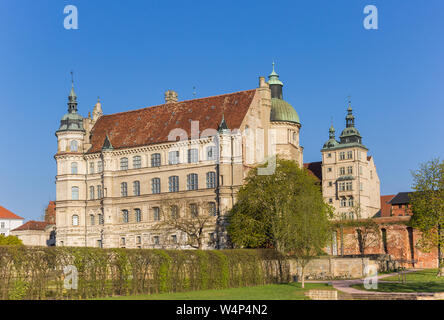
(189,218)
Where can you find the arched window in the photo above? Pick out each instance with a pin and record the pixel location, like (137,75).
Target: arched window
(91,192)
(155,160)
(155,185)
(192,183)
(124,164)
(124,189)
(343,202)
(75,193)
(136,188)
(74,168)
(138,215)
(74,146)
(137,162)
(75,220)
(125,216)
(211,179)
(173,183)
(351,202)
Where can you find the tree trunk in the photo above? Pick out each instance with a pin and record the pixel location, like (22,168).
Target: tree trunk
(440,262)
(303,277)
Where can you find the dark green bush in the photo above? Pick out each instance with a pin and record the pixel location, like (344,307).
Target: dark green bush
(38,273)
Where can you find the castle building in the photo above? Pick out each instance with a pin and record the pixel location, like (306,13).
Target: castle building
(119,174)
(348,174)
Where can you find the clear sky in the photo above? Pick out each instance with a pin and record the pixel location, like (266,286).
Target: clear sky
(130,52)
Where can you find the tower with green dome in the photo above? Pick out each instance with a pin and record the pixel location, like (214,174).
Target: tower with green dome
(284,120)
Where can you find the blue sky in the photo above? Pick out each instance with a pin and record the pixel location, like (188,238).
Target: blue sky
(129,53)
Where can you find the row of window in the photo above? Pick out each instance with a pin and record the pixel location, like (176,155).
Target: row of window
(156,240)
(350,202)
(174,213)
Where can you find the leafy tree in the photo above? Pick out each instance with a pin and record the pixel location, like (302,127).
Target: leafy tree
(284,210)
(427,205)
(10,241)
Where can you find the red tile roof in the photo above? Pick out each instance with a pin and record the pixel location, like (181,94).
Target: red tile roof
(33,225)
(6,214)
(50,212)
(315,169)
(385,206)
(153,124)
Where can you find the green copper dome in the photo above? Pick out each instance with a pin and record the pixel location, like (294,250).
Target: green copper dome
(283,111)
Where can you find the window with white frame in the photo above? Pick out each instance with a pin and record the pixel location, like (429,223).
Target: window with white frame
(124,189)
(341,186)
(75,220)
(349,154)
(155,185)
(173,157)
(211,179)
(74,168)
(173,183)
(349,170)
(124,164)
(99,166)
(192,181)
(92,219)
(351,202)
(155,160)
(136,188)
(137,162)
(193,155)
(342,171)
(343,202)
(349,186)
(91,168)
(99,192)
(75,193)
(341,155)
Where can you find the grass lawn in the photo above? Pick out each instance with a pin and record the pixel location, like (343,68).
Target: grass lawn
(291,291)
(420,281)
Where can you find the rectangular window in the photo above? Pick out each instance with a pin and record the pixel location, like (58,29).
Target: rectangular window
(341,155)
(341,186)
(330,184)
(137,162)
(211,179)
(124,189)
(122,241)
(174,212)
(350,170)
(328,169)
(136,188)
(156,240)
(193,155)
(155,160)
(192,183)
(101,221)
(124,164)
(173,157)
(342,171)
(138,215)
(174,238)
(173,184)
(91,168)
(155,185)
(125,216)
(91,193)
(99,192)
(349,154)
(138,239)
(348,186)
(99,166)
(75,193)
(156,214)
(212,209)
(92,219)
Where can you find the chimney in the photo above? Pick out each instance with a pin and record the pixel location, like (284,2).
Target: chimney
(262,83)
(170,96)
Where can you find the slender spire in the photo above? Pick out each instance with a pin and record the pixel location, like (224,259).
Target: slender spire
(350,118)
(275,84)
(72,98)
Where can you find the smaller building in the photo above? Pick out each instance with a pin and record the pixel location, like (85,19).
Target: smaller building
(8,221)
(400,204)
(36,233)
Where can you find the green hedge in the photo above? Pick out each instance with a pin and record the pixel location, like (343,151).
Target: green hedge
(37,273)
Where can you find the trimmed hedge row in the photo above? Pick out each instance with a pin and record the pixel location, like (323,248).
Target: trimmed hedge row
(37,273)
